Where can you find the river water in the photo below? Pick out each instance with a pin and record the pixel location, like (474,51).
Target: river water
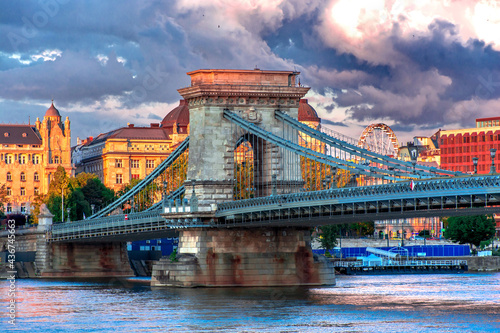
(392,303)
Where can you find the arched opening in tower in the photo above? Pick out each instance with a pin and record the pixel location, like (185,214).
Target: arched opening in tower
(247,167)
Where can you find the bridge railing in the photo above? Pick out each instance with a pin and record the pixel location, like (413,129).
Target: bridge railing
(403,263)
(123,223)
(420,188)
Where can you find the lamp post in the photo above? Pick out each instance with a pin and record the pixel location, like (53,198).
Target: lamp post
(413,156)
(402,233)
(493,152)
(474,162)
(62,203)
(68,210)
(92,206)
(164,194)
(194,200)
(274,181)
(27,214)
(425,233)
(333,171)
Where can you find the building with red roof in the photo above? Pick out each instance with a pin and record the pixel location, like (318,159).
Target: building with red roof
(131,152)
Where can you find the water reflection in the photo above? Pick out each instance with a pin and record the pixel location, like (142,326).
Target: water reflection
(420,303)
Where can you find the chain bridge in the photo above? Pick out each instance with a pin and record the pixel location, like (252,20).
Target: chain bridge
(257,179)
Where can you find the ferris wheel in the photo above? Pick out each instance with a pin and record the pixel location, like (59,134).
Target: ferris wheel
(380,139)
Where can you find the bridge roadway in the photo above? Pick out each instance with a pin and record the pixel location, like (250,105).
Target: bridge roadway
(470,195)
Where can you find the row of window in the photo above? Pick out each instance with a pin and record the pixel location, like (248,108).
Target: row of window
(464,159)
(21,146)
(466,149)
(119,178)
(9,208)
(21,158)
(134,164)
(36,177)
(452,139)
(22,192)
(488,123)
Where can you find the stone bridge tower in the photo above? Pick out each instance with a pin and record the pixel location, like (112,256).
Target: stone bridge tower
(254,95)
(219,257)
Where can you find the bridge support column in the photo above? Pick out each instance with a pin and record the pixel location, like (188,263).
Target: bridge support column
(84,260)
(258,257)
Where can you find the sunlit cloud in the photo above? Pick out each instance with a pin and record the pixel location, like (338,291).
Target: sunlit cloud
(47,55)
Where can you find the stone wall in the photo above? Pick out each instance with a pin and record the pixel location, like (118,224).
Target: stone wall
(244,257)
(482,264)
(86,260)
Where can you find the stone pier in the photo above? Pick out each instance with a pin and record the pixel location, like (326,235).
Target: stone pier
(86,260)
(259,257)
(44,259)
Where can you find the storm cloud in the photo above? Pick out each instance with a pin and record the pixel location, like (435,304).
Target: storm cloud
(416,67)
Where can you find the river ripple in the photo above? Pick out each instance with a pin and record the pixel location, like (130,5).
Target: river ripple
(392,303)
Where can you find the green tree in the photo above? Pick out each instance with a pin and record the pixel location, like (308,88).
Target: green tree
(96,193)
(3,197)
(363,228)
(78,205)
(53,203)
(328,236)
(59,182)
(80,193)
(470,230)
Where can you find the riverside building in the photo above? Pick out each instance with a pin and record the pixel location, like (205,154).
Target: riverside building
(30,155)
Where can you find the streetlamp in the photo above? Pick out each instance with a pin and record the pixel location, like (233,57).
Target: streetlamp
(326,182)
(27,213)
(413,156)
(493,152)
(92,206)
(164,194)
(402,233)
(425,232)
(194,200)
(67,210)
(474,162)
(274,181)
(333,171)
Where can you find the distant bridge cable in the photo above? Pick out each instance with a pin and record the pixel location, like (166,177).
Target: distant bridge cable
(314,155)
(357,151)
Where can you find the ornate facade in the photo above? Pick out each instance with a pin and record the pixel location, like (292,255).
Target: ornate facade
(131,152)
(30,155)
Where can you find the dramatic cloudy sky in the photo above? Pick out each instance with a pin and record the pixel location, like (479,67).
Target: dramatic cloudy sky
(415,65)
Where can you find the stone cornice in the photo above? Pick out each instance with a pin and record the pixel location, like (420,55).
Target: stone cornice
(229,90)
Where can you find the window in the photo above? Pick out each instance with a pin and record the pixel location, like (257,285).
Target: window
(23,191)
(9,191)
(36,159)
(9,208)
(23,207)
(9,176)
(22,159)
(135,176)
(36,191)
(35,177)
(56,159)
(118,163)
(150,164)
(23,177)
(8,159)
(134,164)
(119,179)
